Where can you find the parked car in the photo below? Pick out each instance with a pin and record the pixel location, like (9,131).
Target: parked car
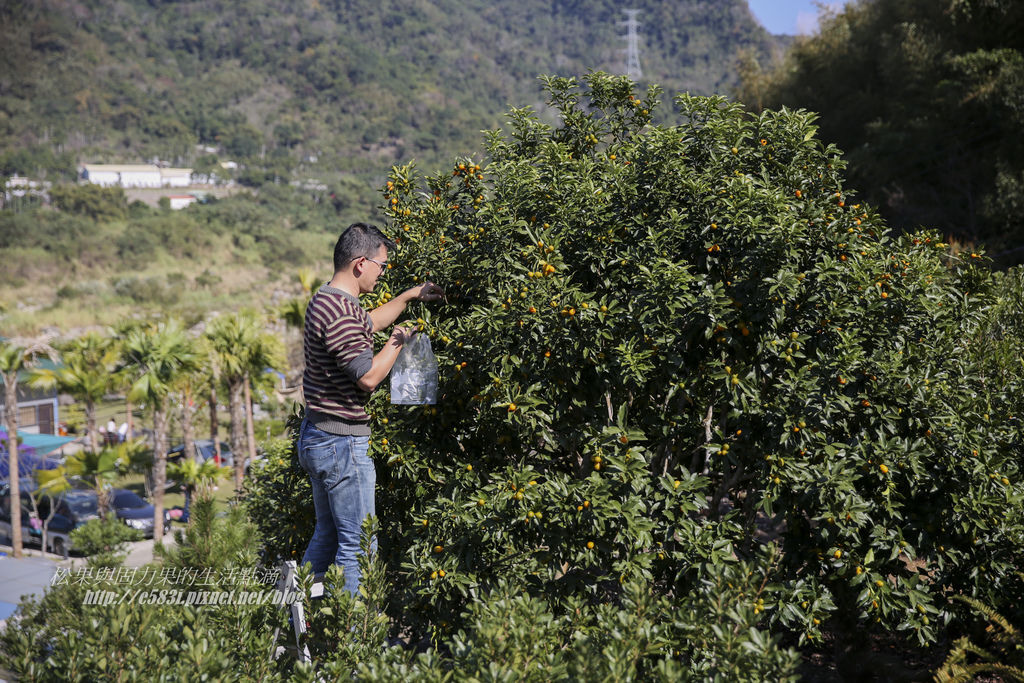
(136,512)
(73,509)
(206,451)
(204,447)
(31,533)
(57,531)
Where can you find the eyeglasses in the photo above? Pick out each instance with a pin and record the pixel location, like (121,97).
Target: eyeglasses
(383,266)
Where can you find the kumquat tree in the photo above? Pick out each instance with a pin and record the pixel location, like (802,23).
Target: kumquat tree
(698,406)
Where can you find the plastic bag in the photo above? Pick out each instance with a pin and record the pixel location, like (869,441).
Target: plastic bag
(414,375)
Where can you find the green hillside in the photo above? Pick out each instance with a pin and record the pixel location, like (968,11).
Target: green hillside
(323,94)
(353,84)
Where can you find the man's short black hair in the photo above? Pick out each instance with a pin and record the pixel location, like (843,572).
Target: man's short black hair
(359,240)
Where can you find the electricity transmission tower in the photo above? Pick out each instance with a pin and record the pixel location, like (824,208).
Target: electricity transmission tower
(632,44)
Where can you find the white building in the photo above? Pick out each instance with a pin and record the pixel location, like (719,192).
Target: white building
(135,175)
(129,175)
(176,177)
(19,187)
(180,201)
(38,409)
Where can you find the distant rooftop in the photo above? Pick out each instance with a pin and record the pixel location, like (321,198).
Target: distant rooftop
(135,168)
(121,168)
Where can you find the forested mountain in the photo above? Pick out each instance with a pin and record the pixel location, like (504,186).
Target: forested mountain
(292,90)
(320,88)
(926,98)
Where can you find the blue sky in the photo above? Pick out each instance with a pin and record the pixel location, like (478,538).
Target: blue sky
(792,17)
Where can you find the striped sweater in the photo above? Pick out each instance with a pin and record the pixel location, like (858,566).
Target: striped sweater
(338,350)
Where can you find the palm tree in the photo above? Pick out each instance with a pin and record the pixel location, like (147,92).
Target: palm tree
(135,457)
(97,468)
(53,484)
(86,374)
(228,338)
(205,383)
(100,469)
(197,478)
(241,348)
(158,356)
(265,353)
(121,331)
(214,424)
(15,358)
(293,311)
(187,384)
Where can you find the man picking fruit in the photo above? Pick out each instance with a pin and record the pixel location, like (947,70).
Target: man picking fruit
(341,371)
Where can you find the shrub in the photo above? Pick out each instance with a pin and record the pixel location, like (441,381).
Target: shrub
(663,347)
(94,201)
(709,634)
(104,541)
(660,340)
(62,236)
(1004,656)
(136,248)
(209,541)
(145,626)
(138,209)
(143,290)
(345,630)
(207,279)
(279,500)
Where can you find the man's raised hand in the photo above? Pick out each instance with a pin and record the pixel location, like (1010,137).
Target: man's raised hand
(428,291)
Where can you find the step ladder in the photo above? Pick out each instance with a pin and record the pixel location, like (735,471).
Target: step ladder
(288,584)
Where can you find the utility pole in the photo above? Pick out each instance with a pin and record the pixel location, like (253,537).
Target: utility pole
(632,44)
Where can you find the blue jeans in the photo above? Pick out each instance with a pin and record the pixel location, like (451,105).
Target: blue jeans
(343,479)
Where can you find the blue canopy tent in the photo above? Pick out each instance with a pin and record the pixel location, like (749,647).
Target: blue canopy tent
(32,453)
(43,443)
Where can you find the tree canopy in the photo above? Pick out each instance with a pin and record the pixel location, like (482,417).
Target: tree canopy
(925,98)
